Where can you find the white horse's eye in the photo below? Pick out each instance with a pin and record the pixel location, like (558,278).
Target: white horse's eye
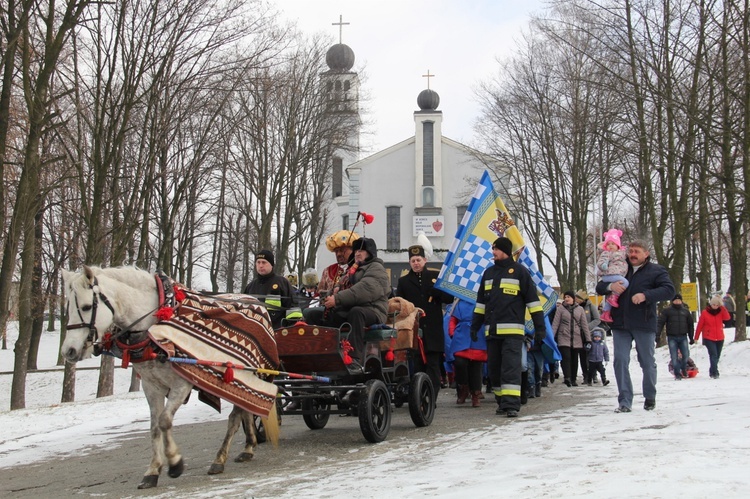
(85,308)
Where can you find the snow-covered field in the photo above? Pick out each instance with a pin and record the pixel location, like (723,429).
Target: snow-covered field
(695,444)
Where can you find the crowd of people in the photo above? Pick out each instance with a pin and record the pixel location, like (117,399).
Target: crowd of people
(471,346)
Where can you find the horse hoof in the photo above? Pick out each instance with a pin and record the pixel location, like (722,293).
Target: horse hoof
(176,469)
(149,482)
(216,469)
(243,457)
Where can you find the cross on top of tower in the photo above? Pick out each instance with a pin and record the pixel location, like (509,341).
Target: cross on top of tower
(341,25)
(428,76)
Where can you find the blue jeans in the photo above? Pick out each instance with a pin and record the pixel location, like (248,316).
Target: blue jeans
(535,360)
(678,343)
(645,345)
(714,352)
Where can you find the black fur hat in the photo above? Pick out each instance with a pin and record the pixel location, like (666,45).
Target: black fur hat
(367,244)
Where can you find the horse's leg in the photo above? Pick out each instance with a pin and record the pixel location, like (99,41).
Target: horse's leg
(178,393)
(251,441)
(155,398)
(233,424)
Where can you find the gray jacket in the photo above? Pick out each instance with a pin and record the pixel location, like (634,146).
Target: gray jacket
(592,314)
(370,289)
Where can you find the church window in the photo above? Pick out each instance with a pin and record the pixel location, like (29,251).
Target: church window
(393,222)
(428,197)
(329,86)
(345,222)
(338,85)
(337,185)
(347,85)
(428,153)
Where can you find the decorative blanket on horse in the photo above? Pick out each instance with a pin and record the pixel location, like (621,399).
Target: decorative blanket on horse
(222,328)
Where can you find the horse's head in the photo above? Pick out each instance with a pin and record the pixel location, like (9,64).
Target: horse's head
(90,314)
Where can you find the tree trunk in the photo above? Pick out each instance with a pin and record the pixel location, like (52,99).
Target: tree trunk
(106,384)
(69,383)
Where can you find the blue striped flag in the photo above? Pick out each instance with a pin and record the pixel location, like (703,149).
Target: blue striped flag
(485,220)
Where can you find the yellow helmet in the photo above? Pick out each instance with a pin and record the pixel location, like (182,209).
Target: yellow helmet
(340,239)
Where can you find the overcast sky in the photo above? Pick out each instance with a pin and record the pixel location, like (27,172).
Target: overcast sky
(395,42)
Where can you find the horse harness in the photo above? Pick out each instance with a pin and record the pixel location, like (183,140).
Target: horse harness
(91,325)
(126,344)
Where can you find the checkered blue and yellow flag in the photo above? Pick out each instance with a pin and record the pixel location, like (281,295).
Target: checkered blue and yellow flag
(485,220)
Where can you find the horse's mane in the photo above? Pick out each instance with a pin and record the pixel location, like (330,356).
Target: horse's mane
(127,275)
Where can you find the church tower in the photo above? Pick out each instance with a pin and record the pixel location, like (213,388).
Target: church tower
(428,165)
(341,86)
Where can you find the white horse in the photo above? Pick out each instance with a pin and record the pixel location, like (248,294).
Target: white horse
(125,299)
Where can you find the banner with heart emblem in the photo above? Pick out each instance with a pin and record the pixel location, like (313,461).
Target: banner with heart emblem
(432,226)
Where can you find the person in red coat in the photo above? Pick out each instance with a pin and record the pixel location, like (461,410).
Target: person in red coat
(711,325)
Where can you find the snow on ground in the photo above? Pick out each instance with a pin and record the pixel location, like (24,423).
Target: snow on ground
(694,444)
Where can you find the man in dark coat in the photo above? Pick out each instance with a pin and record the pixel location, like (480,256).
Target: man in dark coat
(635,321)
(679,323)
(418,286)
(270,288)
(365,302)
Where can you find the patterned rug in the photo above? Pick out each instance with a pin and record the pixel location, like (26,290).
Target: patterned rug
(223,328)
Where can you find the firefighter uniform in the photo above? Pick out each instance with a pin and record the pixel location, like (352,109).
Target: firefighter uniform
(504,294)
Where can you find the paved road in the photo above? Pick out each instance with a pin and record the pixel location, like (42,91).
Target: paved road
(117,472)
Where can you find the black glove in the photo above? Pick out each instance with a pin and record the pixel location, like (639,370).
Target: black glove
(474,336)
(587,346)
(539,336)
(692,341)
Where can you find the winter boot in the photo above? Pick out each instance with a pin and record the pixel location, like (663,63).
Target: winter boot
(451,380)
(566,381)
(463,393)
(538,390)
(475,396)
(605,381)
(606,316)
(545,379)
(613,300)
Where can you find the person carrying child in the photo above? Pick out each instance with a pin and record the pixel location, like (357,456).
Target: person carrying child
(612,265)
(598,355)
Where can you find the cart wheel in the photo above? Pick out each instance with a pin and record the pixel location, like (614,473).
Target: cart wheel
(375,411)
(421,400)
(319,419)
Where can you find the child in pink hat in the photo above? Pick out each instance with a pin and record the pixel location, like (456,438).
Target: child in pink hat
(612,266)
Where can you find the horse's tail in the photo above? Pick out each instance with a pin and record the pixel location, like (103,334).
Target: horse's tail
(271,424)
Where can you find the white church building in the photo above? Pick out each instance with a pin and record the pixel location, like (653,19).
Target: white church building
(423,183)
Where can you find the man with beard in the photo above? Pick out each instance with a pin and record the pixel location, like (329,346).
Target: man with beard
(505,292)
(336,275)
